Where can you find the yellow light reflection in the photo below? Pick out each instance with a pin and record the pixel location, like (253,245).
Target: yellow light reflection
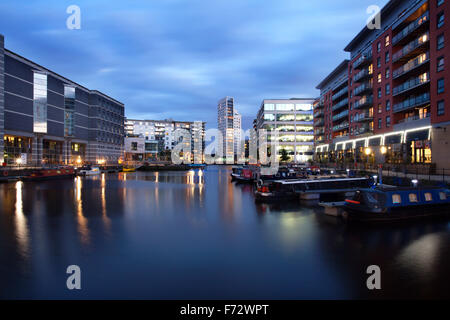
(83,229)
(105,218)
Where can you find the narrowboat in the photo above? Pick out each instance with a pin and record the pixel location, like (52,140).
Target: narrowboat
(49,174)
(281,190)
(245,174)
(397,203)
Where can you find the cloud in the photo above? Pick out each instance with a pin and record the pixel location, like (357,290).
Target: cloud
(177,58)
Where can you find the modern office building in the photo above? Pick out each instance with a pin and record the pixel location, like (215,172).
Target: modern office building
(238,135)
(46,118)
(389,97)
(291,121)
(162,133)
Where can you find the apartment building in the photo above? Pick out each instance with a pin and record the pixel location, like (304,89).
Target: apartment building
(391,102)
(47,119)
(229,124)
(290,122)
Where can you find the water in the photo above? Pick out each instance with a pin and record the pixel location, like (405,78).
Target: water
(196,235)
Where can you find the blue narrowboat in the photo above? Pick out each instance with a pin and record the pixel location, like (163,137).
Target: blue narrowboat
(397,203)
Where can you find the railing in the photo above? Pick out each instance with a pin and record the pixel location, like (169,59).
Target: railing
(340,115)
(365,116)
(411,83)
(423,58)
(341,126)
(412,102)
(319,123)
(340,104)
(363,87)
(411,46)
(414,118)
(365,57)
(363,130)
(319,114)
(340,93)
(410,28)
(362,74)
(365,101)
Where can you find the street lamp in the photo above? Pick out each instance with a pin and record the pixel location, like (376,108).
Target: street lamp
(368,151)
(383,150)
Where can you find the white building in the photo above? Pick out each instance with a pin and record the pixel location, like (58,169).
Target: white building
(290,121)
(229,123)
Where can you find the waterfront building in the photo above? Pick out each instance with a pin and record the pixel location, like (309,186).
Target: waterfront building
(292,121)
(388,101)
(46,118)
(161,133)
(225,124)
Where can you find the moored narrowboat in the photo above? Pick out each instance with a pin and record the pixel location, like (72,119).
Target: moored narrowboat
(397,203)
(50,174)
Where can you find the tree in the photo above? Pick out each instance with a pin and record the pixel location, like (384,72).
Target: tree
(284,155)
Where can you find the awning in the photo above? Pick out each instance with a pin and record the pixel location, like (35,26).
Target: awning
(375,142)
(393,139)
(418,135)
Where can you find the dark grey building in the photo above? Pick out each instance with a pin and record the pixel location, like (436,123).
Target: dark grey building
(48,119)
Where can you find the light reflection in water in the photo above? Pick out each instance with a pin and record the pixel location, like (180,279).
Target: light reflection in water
(22,233)
(105,218)
(82,222)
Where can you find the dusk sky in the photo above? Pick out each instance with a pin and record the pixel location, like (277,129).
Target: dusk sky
(177,58)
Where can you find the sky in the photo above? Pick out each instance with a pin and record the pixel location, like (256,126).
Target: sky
(177,58)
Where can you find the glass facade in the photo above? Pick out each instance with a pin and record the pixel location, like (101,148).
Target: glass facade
(40,103)
(69,106)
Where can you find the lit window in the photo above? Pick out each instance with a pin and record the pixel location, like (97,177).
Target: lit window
(428,196)
(396,199)
(412,197)
(379,78)
(387,40)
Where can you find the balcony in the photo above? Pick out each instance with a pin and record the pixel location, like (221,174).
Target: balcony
(319,114)
(362,75)
(340,127)
(364,102)
(411,65)
(319,123)
(412,102)
(364,117)
(410,49)
(363,88)
(340,93)
(411,28)
(340,116)
(365,129)
(340,104)
(413,83)
(364,59)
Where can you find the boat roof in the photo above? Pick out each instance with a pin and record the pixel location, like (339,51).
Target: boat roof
(303,181)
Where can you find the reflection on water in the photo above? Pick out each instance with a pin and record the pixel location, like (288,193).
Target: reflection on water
(22,234)
(155,234)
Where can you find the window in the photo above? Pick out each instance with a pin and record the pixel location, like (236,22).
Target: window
(378,62)
(388,89)
(412,197)
(388,121)
(440,42)
(428,196)
(379,92)
(440,20)
(439,2)
(378,46)
(380,109)
(379,78)
(442,196)
(386,57)
(388,105)
(388,73)
(379,123)
(387,41)
(396,199)
(440,64)
(440,108)
(440,85)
